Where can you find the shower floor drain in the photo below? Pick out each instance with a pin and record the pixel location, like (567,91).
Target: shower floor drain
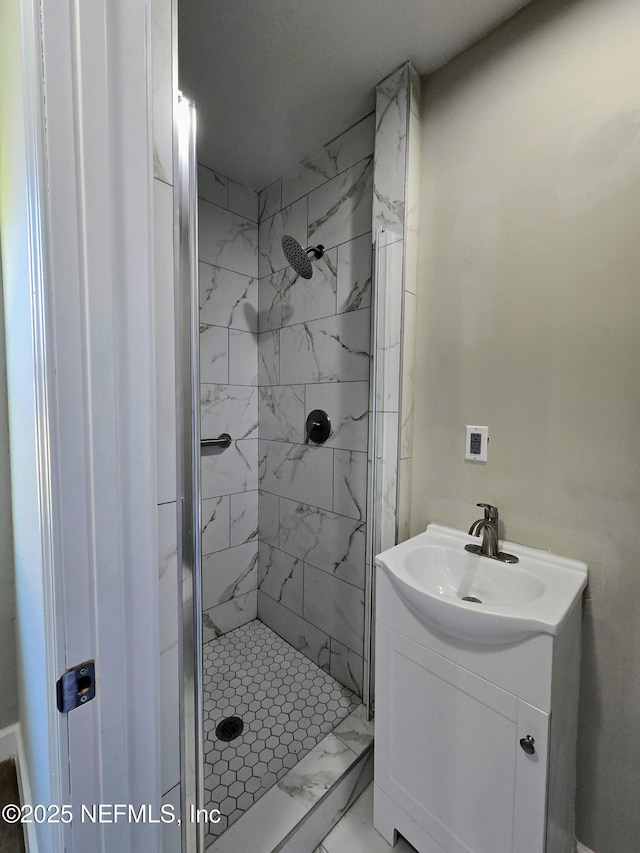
(471,598)
(229,729)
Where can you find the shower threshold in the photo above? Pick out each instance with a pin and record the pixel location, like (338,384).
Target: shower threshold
(279,733)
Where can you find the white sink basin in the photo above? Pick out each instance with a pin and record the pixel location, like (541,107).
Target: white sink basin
(433,575)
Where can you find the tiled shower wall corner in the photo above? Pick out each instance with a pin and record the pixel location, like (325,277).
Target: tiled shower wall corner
(314,353)
(228,279)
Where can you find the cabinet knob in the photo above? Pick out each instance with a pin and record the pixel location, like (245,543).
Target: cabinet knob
(528,744)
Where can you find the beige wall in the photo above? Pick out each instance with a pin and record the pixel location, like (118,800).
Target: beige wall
(8,667)
(529,321)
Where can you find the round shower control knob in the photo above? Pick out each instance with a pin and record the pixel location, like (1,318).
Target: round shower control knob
(528,744)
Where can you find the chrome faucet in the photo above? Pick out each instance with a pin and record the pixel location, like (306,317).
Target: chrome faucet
(488,527)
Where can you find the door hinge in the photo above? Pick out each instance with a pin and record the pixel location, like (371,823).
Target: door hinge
(76,687)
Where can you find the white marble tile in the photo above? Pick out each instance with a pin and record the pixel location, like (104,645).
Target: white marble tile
(170,832)
(336,605)
(243,358)
(165,350)
(169,719)
(228,298)
(355,833)
(225,472)
(347,149)
(408,346)
(292,220)
(308,639)
(212,186)
(225,617)
(227,240)
(229,574)
(285,298)
(354,274)
(301,473)
(270,200)
(347,667)
(168,575)
(280,577)
(214,354)
(243,201)
(404,500)
(324,539)
(347,405)
(387,480)
(390,326)
(269,518)
(415,83)
(312,777)
(228,408)
(356,731)
(350,483)
(281,413)
(215,520)
(333,349)
(413,203)
(162,91)
(269,358)
(341,209)
(244,518)
(390,151)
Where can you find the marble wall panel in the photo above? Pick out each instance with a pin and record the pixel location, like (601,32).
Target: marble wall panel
(228,298)
(347,405)
(390,151)
(214,523)
(330,542)
(350,483)
(223,618)
(227,240)
(346,150)
(243,201)
(390,326)
(162,94)
(168,575)
(341,209)
(291,220)
(347,667)
(228,408)
(307,638)
(212,186)
(336,605)
(354,274)
(282,412)
(269,358)
(243,358)
(214,354)
(280,577)
(286,298)
(299,472)
(333,349)
(225,472)
(243,524)
(228,574)
(270,200)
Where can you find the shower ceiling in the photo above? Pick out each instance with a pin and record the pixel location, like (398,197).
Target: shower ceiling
(276,79)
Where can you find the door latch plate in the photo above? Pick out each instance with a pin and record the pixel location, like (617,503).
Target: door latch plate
(76,687)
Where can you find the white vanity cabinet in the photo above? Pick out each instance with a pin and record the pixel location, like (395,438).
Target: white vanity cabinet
(450,773)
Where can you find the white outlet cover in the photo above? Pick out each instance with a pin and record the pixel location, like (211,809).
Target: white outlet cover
(477,439)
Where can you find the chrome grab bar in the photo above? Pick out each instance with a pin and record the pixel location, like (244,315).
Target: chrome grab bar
(223,440)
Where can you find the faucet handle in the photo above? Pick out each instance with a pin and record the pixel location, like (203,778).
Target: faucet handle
(490,512)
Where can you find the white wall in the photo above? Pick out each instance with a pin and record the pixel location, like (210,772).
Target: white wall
(528,321)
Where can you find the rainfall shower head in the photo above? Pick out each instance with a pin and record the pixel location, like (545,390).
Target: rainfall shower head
(299,257)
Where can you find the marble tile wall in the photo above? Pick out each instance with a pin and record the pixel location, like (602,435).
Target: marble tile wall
(314,352)
(228,282)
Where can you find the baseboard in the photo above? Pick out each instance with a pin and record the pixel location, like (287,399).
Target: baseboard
(580,848)
(9,742)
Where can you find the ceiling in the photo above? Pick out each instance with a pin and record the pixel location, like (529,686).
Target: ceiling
(274,80)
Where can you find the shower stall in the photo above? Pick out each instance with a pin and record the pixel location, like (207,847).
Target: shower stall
(292,367)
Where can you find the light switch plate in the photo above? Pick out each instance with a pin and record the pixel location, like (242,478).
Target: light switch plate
(476,443)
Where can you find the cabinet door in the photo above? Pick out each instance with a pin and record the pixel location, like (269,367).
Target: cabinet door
(448,752)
